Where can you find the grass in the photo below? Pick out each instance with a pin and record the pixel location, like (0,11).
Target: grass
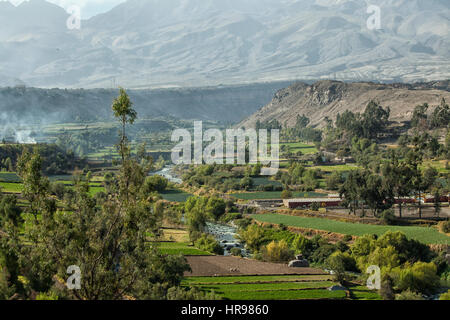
(333,168)
(173,248)
(11,187)
(425,235)
(258,181)
(273,195)
(292,287)
(440,166)
(175,195)
(253,279)
(299,146)
(175,235)
(314,294)
(363,293)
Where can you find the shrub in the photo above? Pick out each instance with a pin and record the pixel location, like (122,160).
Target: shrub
(216,207)
(302,245)
(445,296)
(444,226)
(421,277)
(208,243)
(322,253)
(347,238)
(337,262)
(387,290)
(409,295)
(237,252)
(277,251)
(246,183)
(315,206)
(155,183)
(388,217)
(286,194)
(58,189)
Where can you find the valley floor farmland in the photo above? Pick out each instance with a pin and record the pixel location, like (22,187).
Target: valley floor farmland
(277,287)
(426,235)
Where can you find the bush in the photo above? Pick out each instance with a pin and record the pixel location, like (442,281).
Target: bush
(338,263)
(208,243)
(246,183)
(322,253)
(348,238)
(315,206)
(277,251)
(444,226)
(302,245)
(155,183)
(388,217)
(409,295)
(445,296)
(421,277)
(58,189)
(237,252)
(286,194)
(216,207)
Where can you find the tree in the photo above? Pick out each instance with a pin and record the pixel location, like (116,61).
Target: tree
(419,118)
(111,240)
(216,207)
(277,251)
(286,194)
(441,115)
(124,112)
(338,263)
(155,183)
(397,177)
(374,120)
(195,216)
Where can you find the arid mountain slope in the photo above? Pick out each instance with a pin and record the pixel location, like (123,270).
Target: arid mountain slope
(328,98)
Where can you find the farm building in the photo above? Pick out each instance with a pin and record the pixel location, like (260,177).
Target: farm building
(430,199)
(306,202)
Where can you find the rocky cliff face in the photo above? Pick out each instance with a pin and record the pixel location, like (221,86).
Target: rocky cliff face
(328,98)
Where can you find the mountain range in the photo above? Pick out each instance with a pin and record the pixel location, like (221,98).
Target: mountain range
(159,43)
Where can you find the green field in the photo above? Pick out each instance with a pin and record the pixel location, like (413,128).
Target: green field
(258,181)
(273,195)
(338,168)
(173,248)
(175,195)
(11,187)
(253,279)
(363,293)
(426,235)
(267,287)
(299,146)
(9,177)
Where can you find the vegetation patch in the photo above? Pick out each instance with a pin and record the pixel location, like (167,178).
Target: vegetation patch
(426,235)
(174,248)
(175,195)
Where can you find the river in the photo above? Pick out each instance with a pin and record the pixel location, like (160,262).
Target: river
(224,233)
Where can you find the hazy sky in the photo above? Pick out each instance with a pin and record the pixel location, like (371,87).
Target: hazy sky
(89,8)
